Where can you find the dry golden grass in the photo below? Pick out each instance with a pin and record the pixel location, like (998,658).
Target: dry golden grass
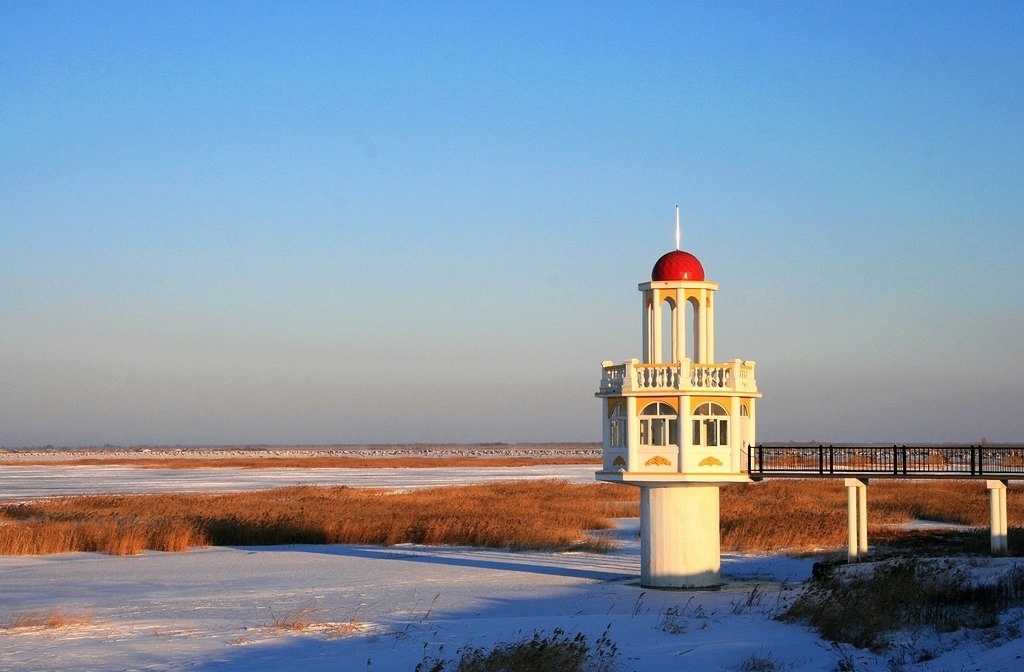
(307,617)
(771,516)
(806,515)
(45,620)
(299,618)
(518,515)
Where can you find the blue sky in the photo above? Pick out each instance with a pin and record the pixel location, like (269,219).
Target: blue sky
(248,222)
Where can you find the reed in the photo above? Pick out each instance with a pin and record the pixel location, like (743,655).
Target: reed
(810,514)
(771,516)
(515,515)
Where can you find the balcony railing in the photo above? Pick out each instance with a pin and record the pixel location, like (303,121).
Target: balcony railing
(923,461)
(685,376)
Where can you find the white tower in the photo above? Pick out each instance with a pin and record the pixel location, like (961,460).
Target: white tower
(678,425)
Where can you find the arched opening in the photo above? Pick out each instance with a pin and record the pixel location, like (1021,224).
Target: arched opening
(710,425)
(617,425)
(668,331)
(649,337)
(744,425)
(659,425)
(693,319)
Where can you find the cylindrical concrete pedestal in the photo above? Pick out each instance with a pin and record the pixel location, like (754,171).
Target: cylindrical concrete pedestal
(679,536)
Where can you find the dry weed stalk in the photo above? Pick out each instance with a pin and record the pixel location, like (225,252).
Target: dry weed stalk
(306,617)
(297,619)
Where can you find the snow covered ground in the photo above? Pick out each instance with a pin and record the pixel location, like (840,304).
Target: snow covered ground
(373,608)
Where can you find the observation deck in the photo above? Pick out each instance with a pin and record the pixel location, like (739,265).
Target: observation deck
(639,379)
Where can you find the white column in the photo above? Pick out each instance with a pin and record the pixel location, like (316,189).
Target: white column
(679,325)
(997,507)
(857,515)
(677,335)
(709,297)
(646,324)
(683,418)
(751,423)
(606,435)
(735,435)
(632,435)
(679,536)
(656,328)
(700,349)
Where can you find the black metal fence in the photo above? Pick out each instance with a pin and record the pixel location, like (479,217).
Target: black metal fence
(925,461)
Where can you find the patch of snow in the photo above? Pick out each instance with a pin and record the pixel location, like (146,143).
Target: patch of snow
(387,608)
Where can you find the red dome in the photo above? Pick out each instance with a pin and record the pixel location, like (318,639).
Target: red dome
(677,265)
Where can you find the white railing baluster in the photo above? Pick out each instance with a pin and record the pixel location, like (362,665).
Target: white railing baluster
(736,375)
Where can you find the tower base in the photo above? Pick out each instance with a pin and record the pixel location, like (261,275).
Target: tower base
(680,542)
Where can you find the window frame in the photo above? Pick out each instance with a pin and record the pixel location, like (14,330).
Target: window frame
(659,425)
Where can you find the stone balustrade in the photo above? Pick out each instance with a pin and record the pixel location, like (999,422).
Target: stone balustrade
(684,376)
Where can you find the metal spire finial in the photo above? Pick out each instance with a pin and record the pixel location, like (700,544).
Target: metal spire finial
(677,227)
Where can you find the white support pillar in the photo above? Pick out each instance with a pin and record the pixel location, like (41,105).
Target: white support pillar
(851,527)
(862,523)
(998,526)
(680,543)
(857,512)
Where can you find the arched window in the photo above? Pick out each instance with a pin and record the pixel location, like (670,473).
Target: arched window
(617,420)
(659,425)
(711,428)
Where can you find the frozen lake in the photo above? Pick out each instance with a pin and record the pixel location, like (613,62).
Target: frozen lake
(33,481)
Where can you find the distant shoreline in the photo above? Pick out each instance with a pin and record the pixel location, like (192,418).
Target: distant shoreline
(528,451)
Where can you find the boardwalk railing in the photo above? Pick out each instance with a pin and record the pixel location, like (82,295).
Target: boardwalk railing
(925,461)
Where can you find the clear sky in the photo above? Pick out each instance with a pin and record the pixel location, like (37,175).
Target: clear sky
(320,222)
